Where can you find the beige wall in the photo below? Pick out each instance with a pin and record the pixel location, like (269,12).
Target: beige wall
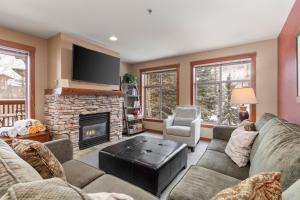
(125,68)
(40,64)
(60,66)
(266,74)
(53,61)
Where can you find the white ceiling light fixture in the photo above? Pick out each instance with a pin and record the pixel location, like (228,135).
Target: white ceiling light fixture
(113,38)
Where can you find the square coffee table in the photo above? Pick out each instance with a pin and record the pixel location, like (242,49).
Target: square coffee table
(150,163)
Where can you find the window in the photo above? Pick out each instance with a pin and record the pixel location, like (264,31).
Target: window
(16,82)
(159,91)
(212,87)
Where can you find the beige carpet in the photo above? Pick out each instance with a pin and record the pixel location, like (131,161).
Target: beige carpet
(90,156)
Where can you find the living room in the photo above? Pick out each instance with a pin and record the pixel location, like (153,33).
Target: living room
(149,100)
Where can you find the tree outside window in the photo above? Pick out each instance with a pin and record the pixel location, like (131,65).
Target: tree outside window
(213,87)
(159,93)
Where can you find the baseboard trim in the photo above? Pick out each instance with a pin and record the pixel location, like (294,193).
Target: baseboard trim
(154,131)
(205,139)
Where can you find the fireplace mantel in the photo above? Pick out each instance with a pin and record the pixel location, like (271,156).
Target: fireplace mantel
(77,91)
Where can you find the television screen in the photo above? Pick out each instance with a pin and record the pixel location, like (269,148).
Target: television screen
(95,67)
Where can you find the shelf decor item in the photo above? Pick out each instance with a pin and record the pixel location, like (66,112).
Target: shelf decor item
(129,78)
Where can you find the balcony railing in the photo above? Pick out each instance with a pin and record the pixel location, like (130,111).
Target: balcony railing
(11,111)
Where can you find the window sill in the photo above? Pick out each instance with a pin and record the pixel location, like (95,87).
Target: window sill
(207,125)
(153,120)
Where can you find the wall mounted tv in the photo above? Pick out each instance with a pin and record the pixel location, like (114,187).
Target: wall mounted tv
(95,67)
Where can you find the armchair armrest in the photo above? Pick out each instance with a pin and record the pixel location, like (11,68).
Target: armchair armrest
(168,122)
(196,127)
(62,149)
(223,132)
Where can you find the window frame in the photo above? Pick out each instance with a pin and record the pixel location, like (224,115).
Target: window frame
(30,79)
(175,67)
(195,64)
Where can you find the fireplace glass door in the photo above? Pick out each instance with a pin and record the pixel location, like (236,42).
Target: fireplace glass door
(94,129)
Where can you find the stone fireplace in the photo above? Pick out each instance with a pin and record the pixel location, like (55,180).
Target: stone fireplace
(81,113)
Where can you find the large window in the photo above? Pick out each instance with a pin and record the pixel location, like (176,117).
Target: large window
(16,82)
(213,85)
(159,91)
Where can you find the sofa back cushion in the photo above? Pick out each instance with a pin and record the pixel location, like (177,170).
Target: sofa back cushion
(263,120)
(259,126)
(13,169)
(278,152)
(293,192)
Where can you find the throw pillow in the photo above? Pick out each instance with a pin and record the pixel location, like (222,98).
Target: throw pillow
(239,146)
(109,196)
(39,157)
(53,188)
(248,125)
(264,186)
(13,169)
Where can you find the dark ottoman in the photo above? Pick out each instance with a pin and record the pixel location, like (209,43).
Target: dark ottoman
(147,162)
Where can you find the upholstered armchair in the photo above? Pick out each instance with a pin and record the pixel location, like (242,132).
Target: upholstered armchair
(183,126)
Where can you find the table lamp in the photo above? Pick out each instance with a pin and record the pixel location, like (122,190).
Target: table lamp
(242,96)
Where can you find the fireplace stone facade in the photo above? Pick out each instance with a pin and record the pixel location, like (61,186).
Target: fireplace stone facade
(62,114)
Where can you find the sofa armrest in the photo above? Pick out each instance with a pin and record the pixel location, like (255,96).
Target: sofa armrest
(223,132)
(62,149)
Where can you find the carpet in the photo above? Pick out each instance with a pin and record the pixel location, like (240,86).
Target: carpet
(90,156)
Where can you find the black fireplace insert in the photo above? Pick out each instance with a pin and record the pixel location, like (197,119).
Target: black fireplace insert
(93,129)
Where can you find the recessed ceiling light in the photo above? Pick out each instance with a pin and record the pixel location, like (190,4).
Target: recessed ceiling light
(113,38)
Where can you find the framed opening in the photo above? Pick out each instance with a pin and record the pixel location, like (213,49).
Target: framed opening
(17,85)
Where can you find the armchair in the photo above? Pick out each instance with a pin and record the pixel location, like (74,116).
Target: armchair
(183,126)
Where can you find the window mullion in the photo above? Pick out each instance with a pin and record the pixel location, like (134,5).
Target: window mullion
(160,96)
(220,95)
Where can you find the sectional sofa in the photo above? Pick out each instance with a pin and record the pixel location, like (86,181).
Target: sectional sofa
(85,177)
(276,148)
(90,179)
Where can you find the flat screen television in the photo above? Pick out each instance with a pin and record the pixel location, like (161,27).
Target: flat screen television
(95,67)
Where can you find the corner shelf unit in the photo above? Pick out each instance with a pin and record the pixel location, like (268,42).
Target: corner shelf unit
(132,110)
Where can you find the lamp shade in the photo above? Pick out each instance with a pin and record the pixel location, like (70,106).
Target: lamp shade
(244,95)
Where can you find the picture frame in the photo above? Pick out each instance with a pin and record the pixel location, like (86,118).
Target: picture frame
(298,66)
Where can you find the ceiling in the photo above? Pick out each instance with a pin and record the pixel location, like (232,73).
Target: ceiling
(175,27)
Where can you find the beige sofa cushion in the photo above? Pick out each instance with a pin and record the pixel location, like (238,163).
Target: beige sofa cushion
(200,183)
(108,183)
(73,171)
(220,162)
(54,189)
(13,169)
(217,145)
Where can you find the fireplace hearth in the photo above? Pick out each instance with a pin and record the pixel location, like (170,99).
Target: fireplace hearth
(93,129)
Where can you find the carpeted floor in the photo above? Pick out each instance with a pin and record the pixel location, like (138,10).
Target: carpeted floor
(90,156)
